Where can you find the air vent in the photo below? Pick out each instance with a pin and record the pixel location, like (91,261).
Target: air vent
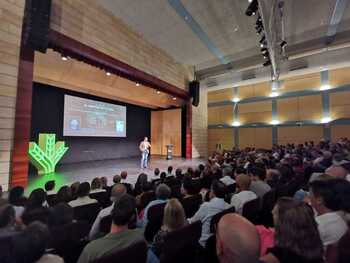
(212,82)
(298,66)
(248,75)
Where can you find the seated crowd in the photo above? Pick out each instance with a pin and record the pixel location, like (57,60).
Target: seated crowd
(287,204)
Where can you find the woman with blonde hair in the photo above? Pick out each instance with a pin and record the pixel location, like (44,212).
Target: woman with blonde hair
(173,219)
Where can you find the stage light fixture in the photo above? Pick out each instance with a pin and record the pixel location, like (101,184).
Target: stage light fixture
(326,120)
(325,87)
(236,124)
(263,39)
(108,73)
(267,63)
(264,50)
(252,8)
(283,44)
(64,58)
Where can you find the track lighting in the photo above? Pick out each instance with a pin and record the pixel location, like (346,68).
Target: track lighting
(252,8)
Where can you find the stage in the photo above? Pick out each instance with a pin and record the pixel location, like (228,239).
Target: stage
(85,171)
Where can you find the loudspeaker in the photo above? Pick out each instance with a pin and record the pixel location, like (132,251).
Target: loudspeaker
(37,24)
(194,92)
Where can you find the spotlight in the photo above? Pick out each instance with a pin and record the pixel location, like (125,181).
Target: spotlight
(137,84)
(264,50)
(235,99)
(274,94)
(274,122)
(326,120)
(252,8)
(325,87)
(108,73)
(283,44)
(174,98)
(236,124)
(158,92)
(267,63)
(64,58)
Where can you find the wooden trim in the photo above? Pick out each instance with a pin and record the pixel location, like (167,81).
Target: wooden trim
(77,50)
(20,160)
(189,130)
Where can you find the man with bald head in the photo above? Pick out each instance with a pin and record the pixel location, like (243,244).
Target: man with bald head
(117,192)
(237,240)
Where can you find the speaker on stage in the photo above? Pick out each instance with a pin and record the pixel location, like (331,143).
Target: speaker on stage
(37,24)
(194,92)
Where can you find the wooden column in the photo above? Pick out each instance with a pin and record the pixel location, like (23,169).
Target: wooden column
(20,160)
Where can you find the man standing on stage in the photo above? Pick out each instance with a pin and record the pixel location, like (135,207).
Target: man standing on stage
(144,148)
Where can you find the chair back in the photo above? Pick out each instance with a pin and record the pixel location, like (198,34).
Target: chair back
(231,188)
(155,219)
(268,202)
(146,198)
(191,205)
(343,248)
(51,200)
(216,218)
(251,210)
(6,249)
(87,212)
(182,245)
(135,253)
(101,197)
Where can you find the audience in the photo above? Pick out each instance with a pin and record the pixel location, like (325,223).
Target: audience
(237,240)
(36,208)
(17,200)
(7,221)
(208,209)
(75,187)
(174,219)
(120,237)
(64,195)
(50,187)
(83,196)
(117,192)
(227,176)
(243,194)
(96,186)
(258,184)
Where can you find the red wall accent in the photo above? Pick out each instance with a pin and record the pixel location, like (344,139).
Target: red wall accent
(77,50)
(23,116)
(189,130)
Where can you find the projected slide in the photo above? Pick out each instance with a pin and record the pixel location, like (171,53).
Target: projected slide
(84,117)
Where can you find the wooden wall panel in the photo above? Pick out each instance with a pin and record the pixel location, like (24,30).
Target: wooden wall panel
(220,95)
(254,90)
(288,109)
(255,137)
(340,131)
(224,136)
(303,82)
(255,112)
(166,129)
(310,107)
(299,134)
(339,103)
(338,77)
(220,115)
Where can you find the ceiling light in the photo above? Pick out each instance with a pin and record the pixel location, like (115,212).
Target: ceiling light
(108,73)
(325,87)
(236,124)
(274,122)
(249,1)
(235,99)
(326,120)
(174,98)
(64,58)
(158,92)
(137,84)
(274,94)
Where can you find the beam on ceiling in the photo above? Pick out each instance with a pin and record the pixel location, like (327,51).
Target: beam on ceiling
(197,29)
(338,11)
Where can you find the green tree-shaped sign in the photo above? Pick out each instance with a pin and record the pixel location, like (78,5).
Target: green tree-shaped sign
(47,154)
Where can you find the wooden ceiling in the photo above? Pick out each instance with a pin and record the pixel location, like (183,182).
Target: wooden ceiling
(78,76)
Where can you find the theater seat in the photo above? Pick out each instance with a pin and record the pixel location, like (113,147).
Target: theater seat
(136,253)
(155,219)
(268,202)
(87,212)
(340,252)
(101,197)
(216,218)
(191,205)
(251,210)
(182,245)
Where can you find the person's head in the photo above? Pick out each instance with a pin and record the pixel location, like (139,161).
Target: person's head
(296,228)
(31,244)
(141,179)
(7,216)
(117,192)
(163,192)
(0,190)
(148,186)
(174,215)
(61,214)
(188,187)
(36,198)
(96,183)
(156,172)
(170,169)
(330,195)
(117,179)
(50,185)
(243,182)
(227,171)
(64,194)
(84,189)
(124,174)
(16,195)
(337,171)
(123,212)
(178,173)
(218,189)
(74,187)
(237,240)
(258,173)
(145,139)
(104,181)
(162,175)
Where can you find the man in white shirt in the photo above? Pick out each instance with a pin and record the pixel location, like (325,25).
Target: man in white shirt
(83,196)
(227,176)
(118,191)
(144,148)
(208,209)
(325,197)
(243,194)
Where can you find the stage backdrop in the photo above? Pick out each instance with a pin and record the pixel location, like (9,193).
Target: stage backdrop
(47,117)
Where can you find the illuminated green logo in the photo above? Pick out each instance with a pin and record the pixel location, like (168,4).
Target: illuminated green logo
(47,154)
